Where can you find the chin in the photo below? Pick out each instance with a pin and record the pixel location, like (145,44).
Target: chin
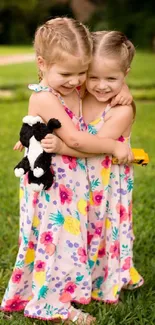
(103,99)
(65,90)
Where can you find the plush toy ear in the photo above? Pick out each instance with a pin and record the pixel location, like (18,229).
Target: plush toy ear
(31,120)
(53,124)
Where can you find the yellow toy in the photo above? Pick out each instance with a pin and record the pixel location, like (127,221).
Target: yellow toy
(141,157)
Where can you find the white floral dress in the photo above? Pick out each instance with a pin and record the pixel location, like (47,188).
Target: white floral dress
(110,233)
(52,268)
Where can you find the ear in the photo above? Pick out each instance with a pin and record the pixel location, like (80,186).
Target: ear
(41,63)
(127,71)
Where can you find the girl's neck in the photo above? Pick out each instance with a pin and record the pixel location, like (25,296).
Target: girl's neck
(95,102)
(92,108)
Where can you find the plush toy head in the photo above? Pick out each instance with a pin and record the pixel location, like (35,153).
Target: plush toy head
(36,162)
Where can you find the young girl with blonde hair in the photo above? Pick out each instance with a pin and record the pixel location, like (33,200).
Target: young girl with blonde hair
(52,268)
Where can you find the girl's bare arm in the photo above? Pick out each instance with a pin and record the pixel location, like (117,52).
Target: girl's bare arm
(47,106)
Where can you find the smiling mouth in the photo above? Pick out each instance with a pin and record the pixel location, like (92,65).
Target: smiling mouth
(68,87)
(102,92)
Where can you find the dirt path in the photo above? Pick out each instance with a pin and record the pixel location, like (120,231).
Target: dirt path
(16,58)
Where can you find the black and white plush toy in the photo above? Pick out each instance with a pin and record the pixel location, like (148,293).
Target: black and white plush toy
(36,162)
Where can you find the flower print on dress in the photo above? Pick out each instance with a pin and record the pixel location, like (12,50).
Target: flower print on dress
(106,162)
(16,275)
(121,139)
(82,254)
(15,304)
(35,198)
(115,249)
(97,197)
(98,228)
(65,297)
(127,263)
(69,112)
(102,249)
(46,238)
(50,249)
(71,161)
(121,210)
(70,287)
(89,237)
(39,266)
(65,194)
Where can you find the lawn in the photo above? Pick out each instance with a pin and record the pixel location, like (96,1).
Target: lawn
(10,50)
(136,308)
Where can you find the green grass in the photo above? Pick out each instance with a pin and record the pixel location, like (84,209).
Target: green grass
(142,70)
(9,50)
(18,75)
(136,308)
(141,78)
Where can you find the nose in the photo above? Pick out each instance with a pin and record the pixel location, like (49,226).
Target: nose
(102,85)
(74,81)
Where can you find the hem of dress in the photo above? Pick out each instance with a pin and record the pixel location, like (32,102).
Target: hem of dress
(113,302)
(82,303)
(47,319)
(3,309)
(110,302)
(131,287)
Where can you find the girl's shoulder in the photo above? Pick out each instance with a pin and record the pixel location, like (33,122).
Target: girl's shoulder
(42,94)
(123,111)
(42,100)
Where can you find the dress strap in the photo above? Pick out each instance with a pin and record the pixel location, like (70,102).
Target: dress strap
(37,88)
(107,109)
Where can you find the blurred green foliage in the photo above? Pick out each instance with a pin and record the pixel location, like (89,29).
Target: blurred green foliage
(136,19)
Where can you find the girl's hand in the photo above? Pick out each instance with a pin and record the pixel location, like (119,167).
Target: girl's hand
(51,143)
(123,153)
(123,98)
(18,146)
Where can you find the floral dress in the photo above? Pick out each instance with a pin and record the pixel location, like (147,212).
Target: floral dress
(110,233)
(51,268)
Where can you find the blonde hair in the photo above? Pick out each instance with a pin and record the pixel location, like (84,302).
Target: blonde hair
(114,43)
(61,36)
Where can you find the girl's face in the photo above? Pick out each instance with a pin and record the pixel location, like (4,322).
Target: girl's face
(105,78)
(66,76)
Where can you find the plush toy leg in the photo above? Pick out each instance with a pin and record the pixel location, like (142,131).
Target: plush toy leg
(22,168)
(34,182)
(47,179)
(42,183)
(41,164)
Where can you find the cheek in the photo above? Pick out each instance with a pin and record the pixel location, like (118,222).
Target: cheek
(117,86)
(82,79)
(89,84)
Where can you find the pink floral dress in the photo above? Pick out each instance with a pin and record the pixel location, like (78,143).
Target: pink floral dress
(51,268)
(110,233)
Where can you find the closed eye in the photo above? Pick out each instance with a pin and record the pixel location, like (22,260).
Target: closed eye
(65,74)
(81,73)
(92,77)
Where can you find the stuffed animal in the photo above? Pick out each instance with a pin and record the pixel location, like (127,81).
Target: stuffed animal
(36,162)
